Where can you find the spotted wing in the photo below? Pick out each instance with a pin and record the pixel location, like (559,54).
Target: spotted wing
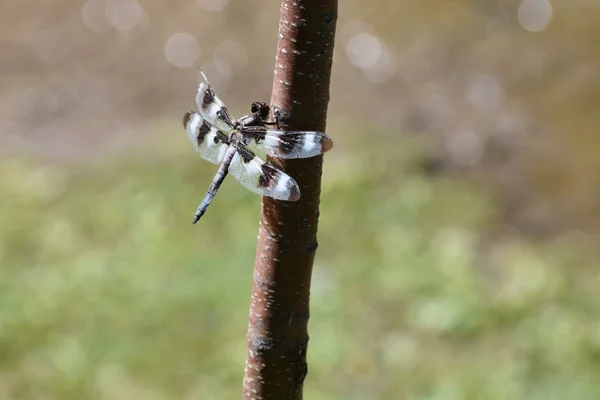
(260,177)
(283,144)
(207,140)
(212,108)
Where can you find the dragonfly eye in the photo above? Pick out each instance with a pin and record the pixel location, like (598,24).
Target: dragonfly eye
(260,110)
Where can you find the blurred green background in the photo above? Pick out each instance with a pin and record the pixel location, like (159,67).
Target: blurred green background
(459,211)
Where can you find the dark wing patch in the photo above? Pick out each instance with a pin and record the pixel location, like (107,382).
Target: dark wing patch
(262,178)
(268,176)
(203,131)
(247,155)
(212,108)
(207,140)
(208,99)
(186,118)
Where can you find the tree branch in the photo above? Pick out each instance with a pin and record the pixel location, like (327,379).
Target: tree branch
(279,311)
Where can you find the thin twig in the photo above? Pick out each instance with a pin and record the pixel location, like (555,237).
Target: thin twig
(277,331)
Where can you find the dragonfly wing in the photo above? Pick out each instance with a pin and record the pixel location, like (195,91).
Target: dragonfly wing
(261,177)
(284,144)
(212,108)
(209,141)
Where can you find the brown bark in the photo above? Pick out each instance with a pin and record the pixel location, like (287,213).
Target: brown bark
(279,311)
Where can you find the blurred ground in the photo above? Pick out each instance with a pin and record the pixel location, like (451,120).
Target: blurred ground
(465,171)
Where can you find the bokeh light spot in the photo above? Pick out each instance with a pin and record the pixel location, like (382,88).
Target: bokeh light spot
(230,58)
(93,14)
(485,92)
(124,16)
(535,15)
(383,69)
(182,50)
(465,148)
(364,50)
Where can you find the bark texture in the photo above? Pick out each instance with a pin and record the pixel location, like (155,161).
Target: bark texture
(287,241)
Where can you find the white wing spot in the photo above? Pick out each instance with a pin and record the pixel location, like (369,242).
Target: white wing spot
(192,130)
(271,141)
(284,184)
(310,144)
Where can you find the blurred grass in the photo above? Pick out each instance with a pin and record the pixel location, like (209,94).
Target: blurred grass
(109,292)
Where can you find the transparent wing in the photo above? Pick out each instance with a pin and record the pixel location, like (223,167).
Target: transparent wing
(283,144)
(212,108)
(210,142)
(260,177)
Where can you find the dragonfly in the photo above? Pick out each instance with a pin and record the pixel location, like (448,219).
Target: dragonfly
(227,142)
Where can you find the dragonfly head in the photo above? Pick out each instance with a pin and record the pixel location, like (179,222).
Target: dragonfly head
(260,111)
